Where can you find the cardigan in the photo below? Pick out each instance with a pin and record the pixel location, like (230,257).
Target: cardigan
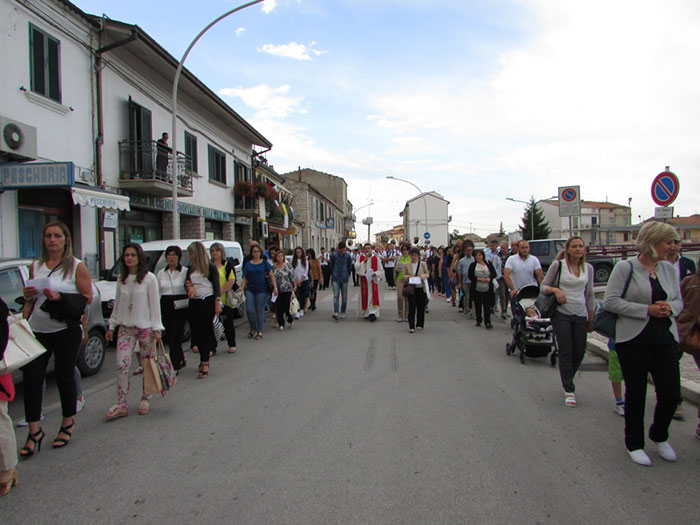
(632,311)
(472,277)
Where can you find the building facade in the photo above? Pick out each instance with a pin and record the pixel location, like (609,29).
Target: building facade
(430,206)
(396,234)
(599,222)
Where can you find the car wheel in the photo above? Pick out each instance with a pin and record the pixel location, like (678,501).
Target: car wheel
(92,354)
(601,273)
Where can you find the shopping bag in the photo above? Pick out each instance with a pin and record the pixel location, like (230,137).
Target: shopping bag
(218,328)
(293,305)
(166,371)
(151,376)
(22,346)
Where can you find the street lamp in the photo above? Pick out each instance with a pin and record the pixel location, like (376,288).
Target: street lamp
(425,202)
(176,81)
(366,220)
(532,215)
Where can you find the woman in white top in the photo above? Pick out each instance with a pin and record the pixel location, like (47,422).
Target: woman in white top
(301,278)
(54,313)
(137,314)
(570,279)
(173,304)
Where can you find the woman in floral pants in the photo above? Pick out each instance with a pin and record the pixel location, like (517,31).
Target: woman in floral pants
(137,313)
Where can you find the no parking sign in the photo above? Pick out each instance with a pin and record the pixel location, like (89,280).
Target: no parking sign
(569,201)
(665,187)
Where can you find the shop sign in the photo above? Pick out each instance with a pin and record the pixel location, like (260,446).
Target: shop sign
(140,200)
(330,223)
(245,221)
(110,219)
(321,225)
(17,175)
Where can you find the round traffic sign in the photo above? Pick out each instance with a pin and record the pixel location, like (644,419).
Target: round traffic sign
(426,236)
(664,189)
(569,194)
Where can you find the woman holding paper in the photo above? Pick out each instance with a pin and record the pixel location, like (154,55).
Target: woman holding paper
(284,277)
(173,304)
(415,274)
(56,294)
(137,314)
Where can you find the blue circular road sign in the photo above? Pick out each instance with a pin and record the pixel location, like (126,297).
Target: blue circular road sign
(665,187)
(426,235)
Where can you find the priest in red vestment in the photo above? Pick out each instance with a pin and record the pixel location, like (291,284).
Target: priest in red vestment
(369,269)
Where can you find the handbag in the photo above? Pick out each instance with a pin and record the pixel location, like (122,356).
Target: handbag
(410,289)
(604,321)
(293,305)
(218,328)
(22,346)
(166,371)
(234,299)
(547,304)
(152,384)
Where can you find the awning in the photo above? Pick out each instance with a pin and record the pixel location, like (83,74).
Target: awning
(98,198)
(273,228)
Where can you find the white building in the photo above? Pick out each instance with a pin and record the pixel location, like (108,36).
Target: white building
(430,206)
(96,95)
(599,222)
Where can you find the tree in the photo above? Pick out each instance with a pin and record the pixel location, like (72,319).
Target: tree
(542,229)
(501,231)
(454,236)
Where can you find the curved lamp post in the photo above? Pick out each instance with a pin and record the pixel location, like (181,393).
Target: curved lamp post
(176,81)
(532,215)
(369,225)
(420,192)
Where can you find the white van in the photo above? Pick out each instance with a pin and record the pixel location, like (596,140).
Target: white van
(155,257)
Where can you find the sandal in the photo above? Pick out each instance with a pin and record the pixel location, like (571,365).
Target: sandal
(61,442)
(258,335)
(36,438)
(117,411)
(12,481)
(138,371)
(203,370)
(570,399)
(232,350)
(143,407)
(251,334)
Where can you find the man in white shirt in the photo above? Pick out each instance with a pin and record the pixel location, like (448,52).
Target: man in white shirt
(325,268)
(389,260)
(522,269)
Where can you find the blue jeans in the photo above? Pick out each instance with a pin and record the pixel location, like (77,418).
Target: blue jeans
(446,284)
(339,288)
(255,309)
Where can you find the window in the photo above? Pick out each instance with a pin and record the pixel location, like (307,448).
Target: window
(190,152)
(44,62)
(594,221)
(217,165)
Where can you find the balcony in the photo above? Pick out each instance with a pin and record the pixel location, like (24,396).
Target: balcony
(146,168)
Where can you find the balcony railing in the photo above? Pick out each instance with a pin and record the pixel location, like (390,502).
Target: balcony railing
(147,167)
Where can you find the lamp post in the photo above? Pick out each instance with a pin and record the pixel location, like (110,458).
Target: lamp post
(425,202)
(366,220)
(532,215)
(176,81)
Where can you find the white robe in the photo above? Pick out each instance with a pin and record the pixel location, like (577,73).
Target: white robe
(370,273)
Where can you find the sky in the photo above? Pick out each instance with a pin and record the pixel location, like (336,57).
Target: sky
(478,100)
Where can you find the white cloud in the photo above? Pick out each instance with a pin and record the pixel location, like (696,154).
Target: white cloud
(268,6)
(240,31)
(292,50)
(268,102)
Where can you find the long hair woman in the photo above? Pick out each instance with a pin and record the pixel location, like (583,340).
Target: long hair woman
(646,336)
(284,277)
(227,281)
(54,314)
(301,277)
(253,283)
(570,279)
(202,284)
(315,275)
(173,304)
(137,314)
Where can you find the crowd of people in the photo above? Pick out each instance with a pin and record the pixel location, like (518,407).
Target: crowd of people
(645,294)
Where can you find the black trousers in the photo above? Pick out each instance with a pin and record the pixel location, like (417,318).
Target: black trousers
(282,308)
(389,273)
(416,308)
(312,294)
(201,315)
(637,361)
(174,323)
(326,271)
(482,302)
(354,276)
(229,328)
(64,346)
(571,332)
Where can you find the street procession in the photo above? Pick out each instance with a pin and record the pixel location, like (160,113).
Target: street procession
(256,268)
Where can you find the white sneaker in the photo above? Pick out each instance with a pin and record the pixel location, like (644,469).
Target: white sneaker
(619,409)
(342,315)
(666,451)
(80,403)
(640,457)
(281,328)
(335,315)
(23,422)
(301,313)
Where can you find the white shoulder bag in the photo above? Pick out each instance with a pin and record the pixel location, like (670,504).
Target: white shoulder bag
(22,346)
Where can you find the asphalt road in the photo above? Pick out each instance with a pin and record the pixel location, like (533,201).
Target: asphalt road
(354,422)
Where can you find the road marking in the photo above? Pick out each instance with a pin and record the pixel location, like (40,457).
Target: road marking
(369,359)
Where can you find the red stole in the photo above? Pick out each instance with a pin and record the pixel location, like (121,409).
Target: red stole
(374,265)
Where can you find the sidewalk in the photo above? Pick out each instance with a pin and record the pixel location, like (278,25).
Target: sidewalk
(690,375)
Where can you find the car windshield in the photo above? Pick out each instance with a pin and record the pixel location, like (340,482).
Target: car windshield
(151,258)
(539,248)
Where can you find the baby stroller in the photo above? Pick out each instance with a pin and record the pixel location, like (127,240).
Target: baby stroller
(532,335)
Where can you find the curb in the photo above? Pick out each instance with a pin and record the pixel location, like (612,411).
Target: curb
(690,390)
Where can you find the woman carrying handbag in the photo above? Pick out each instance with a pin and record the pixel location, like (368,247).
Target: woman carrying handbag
(415,275)
(227,281)
(173,304)
(570,280)
(137,315)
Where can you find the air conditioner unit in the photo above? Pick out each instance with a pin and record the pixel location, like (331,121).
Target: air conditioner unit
(17,140)
(264,230)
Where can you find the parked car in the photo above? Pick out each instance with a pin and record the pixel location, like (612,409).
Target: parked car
(13,276)
(546,251)
(155,257)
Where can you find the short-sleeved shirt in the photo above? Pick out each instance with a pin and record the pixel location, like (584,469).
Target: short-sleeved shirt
(523,271)
(255,276)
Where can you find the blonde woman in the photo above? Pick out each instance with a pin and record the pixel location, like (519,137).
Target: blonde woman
(138,316)
(203,289)
(646,336)
(570,279)
(54,314)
